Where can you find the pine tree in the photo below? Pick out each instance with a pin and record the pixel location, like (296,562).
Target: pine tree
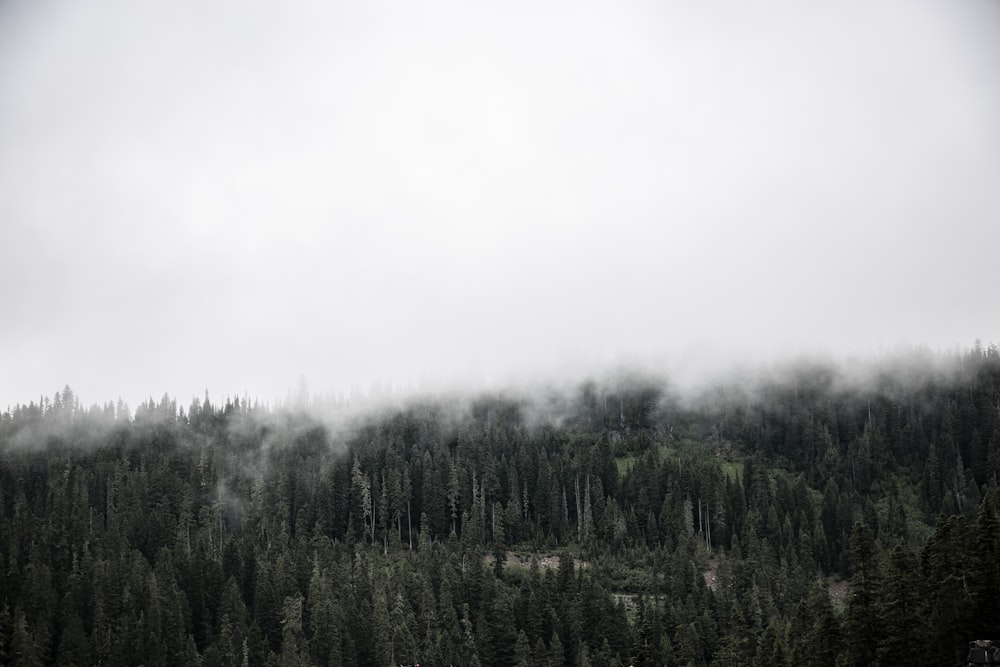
(862,626)
(522,651)
(24,650)
(557,656)
(949,608)
(291,633)
(687,646)
(499,541)
(984,576)
(899,609)
(767,647)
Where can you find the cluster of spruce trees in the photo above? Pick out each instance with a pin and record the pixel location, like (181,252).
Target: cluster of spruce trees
(810,516)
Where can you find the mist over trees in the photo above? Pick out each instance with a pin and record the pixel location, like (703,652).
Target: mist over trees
(813,515)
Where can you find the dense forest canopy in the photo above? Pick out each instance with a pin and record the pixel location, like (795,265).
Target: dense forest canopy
(807,515)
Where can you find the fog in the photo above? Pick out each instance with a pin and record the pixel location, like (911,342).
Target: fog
(250,198)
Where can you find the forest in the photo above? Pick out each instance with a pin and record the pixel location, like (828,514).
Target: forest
(809,513)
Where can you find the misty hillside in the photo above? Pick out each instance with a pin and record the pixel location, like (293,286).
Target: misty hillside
(567,245)
(807,514)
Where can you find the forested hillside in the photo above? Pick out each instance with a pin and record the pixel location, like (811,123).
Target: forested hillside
(807,515)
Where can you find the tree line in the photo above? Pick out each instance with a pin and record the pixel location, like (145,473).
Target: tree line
(803,516)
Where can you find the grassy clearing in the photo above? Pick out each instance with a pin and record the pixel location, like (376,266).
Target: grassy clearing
(733,470)
(625,463)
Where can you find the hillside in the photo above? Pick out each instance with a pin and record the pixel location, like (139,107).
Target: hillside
(809,514)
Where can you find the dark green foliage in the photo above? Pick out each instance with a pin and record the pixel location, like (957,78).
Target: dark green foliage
(862,624)
(650,530)
(900,608)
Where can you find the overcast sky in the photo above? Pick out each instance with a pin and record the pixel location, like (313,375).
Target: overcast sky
(234,196)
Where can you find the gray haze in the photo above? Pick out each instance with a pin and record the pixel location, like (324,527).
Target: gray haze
(244,196)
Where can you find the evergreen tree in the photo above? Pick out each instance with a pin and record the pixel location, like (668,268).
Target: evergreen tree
(862,625)
(522,651)
(23,648)
(899,609)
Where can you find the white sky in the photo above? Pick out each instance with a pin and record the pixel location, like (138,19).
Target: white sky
(234,195)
